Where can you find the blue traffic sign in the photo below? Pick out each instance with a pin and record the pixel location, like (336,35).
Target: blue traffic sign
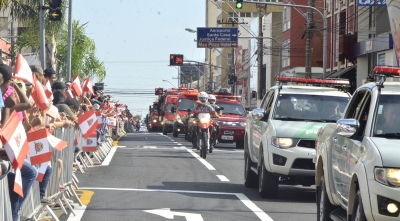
(217,37)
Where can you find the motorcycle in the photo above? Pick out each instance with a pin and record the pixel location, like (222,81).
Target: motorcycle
(204,130)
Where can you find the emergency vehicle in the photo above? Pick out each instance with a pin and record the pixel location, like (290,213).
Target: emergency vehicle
(154,117)
(167,115)
(280,135)
(185,100)
(232,121)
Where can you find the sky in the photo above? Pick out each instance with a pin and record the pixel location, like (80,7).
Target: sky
(134,40)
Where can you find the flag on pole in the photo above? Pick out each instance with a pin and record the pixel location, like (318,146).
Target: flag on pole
(48,91)
(39,96)
(99,119)
(90,144)
(22,70)
(112,123)
(56,143)
(88,123)
(39,147)
(14,140)
(76,86)
(41,171)
(87,86)
(53,112)
(18,183)
(69,94)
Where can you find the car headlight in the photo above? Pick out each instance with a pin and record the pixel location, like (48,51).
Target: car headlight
(282,142)
(388,176)
(242,124)
(154,120)
(178,118)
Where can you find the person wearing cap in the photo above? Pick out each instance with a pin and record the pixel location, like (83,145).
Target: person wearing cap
(50,74)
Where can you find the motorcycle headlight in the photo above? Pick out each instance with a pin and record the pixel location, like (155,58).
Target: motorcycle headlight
(154,120)
(388,176)
(194,121)
(282,142)
(178,118)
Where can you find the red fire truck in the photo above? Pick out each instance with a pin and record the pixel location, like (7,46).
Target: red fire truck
(185,100)
(232,121)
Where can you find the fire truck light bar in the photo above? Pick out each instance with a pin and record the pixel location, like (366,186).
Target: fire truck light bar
(387,70)
(312,80)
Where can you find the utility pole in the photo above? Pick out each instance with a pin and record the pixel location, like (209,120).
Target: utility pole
(232,67)
(42,35)
(261,76)
(211,77)
(310,26)
(69,48)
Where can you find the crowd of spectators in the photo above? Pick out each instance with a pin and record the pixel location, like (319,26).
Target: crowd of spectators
(16,96)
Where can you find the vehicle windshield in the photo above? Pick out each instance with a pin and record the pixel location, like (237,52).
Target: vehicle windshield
(236,109)
(169,106)
(307,107)
(387,122)
(184,104)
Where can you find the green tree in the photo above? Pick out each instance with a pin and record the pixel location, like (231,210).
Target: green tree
(139,117)
(83,61)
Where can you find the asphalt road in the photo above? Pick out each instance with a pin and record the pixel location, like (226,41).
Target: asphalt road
(156,177)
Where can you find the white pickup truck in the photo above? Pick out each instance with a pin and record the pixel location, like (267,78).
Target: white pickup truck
(279,143)
(358,157)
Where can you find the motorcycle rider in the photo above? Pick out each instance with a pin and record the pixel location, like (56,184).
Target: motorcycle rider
(203,107)
(211,101)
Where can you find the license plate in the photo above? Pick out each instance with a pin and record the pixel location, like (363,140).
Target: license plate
(227,137)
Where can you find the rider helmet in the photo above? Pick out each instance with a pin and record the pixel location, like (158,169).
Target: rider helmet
(211,99)
(202,97)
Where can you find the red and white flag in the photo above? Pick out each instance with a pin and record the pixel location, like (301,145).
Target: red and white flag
(87,86)
(39,147)
(22,70)
(48,91)
(56,143)
(18,183)
(41,171)
(88,123)
(112,123)
(76,86)
(14,140)
(53,112)
(69,94)
(99,119)
(39,96)
(90,144)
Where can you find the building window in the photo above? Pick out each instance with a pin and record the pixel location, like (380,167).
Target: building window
(381,59)
(286,53)
(233,17)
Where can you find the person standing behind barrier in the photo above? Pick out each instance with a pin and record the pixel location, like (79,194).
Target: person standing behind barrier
(28,172)
(50,74)
(43,186)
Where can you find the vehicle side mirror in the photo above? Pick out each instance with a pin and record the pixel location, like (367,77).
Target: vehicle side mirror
(150,108)
(347,127)
(258,113)
(173,109)
(196,112)
(221,108)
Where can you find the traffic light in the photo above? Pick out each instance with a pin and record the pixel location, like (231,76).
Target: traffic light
(159,91)
(239,4)
(232,79)
(253,94)
(176,59)
(55,10)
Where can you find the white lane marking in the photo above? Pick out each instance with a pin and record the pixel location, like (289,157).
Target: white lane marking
(169,214)
(79,210)
(223,178)
(175,142)
(149,147)
(180,148)
(109,157)
(208,165)
(179,143)
(253,207)
(243,198)
(231,151)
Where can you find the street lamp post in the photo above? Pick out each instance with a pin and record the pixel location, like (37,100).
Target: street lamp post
(168,82)
(325,38)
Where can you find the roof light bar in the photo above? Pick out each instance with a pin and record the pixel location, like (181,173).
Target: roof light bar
(312,80)
(387,70)
(226,97)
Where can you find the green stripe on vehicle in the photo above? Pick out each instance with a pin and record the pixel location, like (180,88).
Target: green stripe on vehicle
(309,131)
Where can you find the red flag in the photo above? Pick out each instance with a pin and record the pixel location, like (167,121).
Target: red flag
(39,96)
(76,140)
(14,140)
(22,70)
(88,123)
(87,86)
(18,183)
(90,144)
(39,147)
(53,112)
(69,94)
(76,87)
(56,143)
(41,171)
(112,123)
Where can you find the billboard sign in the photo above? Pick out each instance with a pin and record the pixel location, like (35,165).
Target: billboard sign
(371,2)
(394,18)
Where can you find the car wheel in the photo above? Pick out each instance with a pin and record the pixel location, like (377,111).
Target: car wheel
(239,144)
(268,184)
(164,131)
(324,206)
(358,209)
(250,177)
